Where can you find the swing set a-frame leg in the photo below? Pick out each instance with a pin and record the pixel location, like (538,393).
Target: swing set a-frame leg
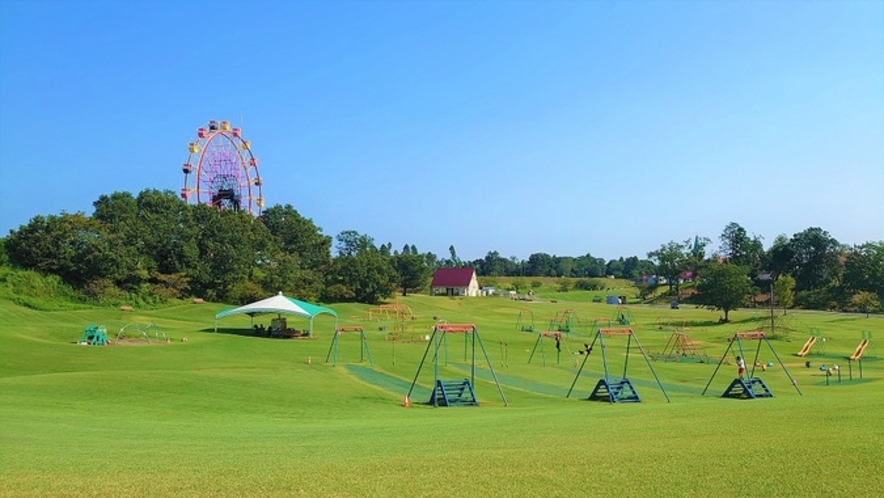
(726,351)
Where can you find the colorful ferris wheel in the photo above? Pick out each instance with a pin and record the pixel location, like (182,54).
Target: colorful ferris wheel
(221,170)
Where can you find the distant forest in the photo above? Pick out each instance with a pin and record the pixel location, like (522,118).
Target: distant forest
(155,248)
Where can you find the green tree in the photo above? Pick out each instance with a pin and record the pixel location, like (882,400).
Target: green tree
(231,245)
(816,260)
(784,290)
(66,245)
(724,287)
(780,257)
(671,260)
(616,268)
(165,234)
(302,257)
(4,258)
(360,270)
(645,290)
(740,249)
(412,271)
(864,268)
(866,302)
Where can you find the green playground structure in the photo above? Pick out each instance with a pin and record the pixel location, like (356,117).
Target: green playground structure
(525,322)
(95,335)
(363,348)
(623,316)
(611,388)
(460,392)
(750,387)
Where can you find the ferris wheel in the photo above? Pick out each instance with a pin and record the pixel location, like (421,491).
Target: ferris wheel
(221,170)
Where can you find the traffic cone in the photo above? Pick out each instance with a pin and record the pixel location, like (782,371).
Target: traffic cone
(309,360)
(406,404)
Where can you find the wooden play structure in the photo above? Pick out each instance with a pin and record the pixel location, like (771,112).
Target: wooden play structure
(364,349)
(680,347)
(611,389)
(459,392)
(750,386)
(391,311)
(559,341)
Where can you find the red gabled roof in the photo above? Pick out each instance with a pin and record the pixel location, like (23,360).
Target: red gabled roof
(452,277)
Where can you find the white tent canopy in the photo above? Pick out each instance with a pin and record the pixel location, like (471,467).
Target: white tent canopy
(279,304)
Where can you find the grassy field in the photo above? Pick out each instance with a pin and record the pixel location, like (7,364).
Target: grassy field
(228,414)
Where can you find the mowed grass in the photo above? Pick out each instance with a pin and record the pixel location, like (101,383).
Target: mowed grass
(227,414)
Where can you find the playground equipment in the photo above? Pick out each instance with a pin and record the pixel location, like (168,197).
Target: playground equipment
(560,324)
(815,344)
(864,344)
(559,341)
(623,316)
(857,356)
(221,170)
(525,322)
(600,322)
(680,347)
(138,331)
(459,392)
(363,349)
(391,311)
(612,390)
(95,335)
(778,325)
(751,387)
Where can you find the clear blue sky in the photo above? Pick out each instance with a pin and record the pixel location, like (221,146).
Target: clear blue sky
(521,127)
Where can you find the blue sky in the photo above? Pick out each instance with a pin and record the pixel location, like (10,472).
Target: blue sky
(521,127)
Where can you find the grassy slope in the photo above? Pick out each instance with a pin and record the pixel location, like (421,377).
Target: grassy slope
(226,414)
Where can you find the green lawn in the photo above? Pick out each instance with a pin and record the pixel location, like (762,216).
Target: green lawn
(227,414)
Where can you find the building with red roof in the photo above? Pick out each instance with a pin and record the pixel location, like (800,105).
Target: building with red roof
(455,282)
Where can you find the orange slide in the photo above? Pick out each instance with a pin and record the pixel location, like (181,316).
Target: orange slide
(860,350)
(807,345)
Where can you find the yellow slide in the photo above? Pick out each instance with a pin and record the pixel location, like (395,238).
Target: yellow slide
(860,350)
(807,345)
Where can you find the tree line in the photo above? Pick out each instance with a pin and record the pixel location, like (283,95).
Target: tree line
(810,269)
(154,247)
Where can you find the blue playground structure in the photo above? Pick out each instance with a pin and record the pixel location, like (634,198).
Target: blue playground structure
(615,390)
(750,387)
(460,392)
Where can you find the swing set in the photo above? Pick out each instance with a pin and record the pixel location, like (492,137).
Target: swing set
(610,389)
(559,342)
(525,322)
(751,387)
(623,316)
(364,350)
(460,392)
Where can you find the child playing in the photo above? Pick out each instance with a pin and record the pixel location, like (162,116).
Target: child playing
(741,366)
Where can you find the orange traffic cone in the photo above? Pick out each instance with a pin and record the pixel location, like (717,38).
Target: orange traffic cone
(309,360)
(406,404)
